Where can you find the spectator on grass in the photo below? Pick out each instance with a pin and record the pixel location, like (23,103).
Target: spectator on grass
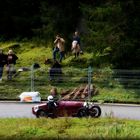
(76,40)
(55,72)
(54,93)
(11,61)
(59,47)
(2,62)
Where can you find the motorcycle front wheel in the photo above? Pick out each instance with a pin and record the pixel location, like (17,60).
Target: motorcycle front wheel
(95,111)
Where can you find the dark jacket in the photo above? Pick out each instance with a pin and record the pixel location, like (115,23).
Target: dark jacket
(55,70)
(3,59)
(76,38)
(11,59)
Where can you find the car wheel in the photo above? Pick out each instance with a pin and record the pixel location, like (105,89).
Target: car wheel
(95,111)
(82,113)
(41,114)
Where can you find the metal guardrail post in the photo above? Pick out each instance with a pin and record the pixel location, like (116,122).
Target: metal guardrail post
(32,77)
(89,82)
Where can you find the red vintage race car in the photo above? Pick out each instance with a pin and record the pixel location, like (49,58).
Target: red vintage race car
(67,109)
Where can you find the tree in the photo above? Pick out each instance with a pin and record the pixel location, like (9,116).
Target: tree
(18,18)
(59,17)
(111,33)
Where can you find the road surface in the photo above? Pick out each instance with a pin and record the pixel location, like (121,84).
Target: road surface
(23,110)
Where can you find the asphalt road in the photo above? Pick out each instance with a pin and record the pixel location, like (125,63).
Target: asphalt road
(23,110)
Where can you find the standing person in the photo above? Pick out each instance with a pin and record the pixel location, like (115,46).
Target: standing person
(55,72)
(2,62)
(59,47)
(11,61)
(77,40)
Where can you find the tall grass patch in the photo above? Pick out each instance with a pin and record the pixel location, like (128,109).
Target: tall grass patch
(69,128)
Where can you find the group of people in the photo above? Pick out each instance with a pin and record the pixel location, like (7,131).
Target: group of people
(9,60)
(59,46)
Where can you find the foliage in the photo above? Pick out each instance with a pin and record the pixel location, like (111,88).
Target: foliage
(69,128)
(15,21)
(57,18)
(109,31)
(74,70)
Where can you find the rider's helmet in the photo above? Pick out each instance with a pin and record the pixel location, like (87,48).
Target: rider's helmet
(50,98)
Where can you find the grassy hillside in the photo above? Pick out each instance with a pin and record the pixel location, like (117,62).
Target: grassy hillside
(28,54)
(75,74)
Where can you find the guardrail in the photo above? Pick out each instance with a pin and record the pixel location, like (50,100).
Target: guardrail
(42,80)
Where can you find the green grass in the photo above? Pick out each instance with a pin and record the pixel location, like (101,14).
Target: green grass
(74,70)
(118,95)
(69,128)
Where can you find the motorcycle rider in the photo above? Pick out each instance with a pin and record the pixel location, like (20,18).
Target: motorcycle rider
(51,103)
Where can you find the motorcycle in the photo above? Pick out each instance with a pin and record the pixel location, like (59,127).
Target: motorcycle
(67,109)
